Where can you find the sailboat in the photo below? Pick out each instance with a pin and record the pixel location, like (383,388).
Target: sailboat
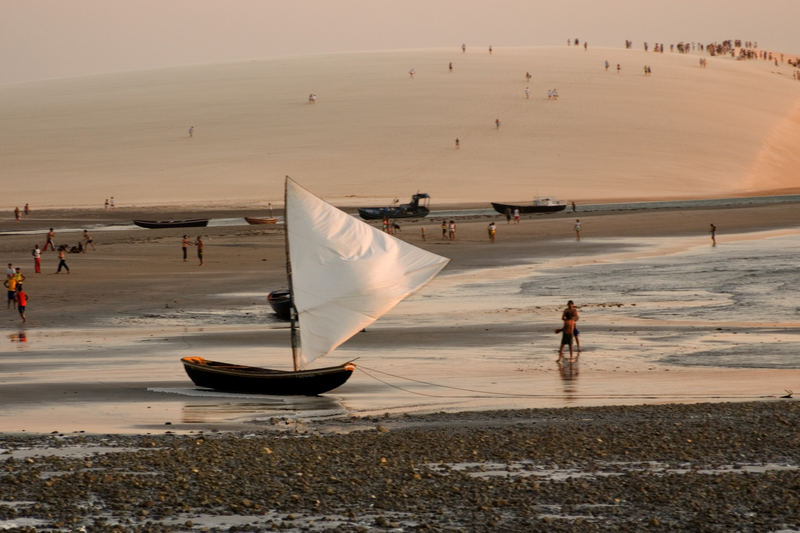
(343,275)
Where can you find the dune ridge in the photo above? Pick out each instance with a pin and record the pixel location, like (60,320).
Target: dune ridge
(375,133)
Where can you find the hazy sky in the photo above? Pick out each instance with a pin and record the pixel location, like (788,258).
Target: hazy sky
(63,38)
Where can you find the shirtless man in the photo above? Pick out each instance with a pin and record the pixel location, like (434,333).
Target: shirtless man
(566,338)
(573,311)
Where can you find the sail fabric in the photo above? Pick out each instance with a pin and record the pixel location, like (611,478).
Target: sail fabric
(345,273)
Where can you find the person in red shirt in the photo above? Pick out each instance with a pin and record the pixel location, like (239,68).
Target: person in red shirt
(22,302)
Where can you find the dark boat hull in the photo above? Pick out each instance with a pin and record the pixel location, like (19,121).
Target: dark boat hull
(528,208)
(229,377)
(378,213)
(155,224)
(281,302)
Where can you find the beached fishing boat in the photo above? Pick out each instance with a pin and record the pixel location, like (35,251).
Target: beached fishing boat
(281,302)
(418,207)
(261,220)
(189,223)
(543,205)
(343,275)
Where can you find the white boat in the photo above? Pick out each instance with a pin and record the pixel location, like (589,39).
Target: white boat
(343,275)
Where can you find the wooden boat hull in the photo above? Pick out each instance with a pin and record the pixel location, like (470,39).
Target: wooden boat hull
(281,302)
(155,224)
(261,220)
(378,213)
(528,208)
(229,377)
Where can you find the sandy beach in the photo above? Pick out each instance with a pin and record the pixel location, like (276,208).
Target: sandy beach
(458,417)
(375,134)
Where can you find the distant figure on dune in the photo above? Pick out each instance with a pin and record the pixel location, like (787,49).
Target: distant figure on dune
(585,45)
(450,67)
(111,202)
(411,73)
(606,65)
(527,93)
(191,131)
(618,68)
(312,98)
(106,204)
(463,48)
(577,41)
(490,49)
(458,143)
(497,123)
(528,77)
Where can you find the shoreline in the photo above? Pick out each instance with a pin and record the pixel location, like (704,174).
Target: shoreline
(679,467)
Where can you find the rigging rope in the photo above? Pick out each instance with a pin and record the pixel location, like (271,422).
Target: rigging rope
(483,393)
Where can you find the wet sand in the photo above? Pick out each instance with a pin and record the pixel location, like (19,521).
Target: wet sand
(102,344)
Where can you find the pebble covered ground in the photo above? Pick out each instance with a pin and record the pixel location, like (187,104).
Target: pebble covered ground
(703,467)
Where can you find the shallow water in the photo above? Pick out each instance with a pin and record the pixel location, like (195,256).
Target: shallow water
(667,320)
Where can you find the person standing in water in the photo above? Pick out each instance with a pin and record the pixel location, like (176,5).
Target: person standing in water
(572,311)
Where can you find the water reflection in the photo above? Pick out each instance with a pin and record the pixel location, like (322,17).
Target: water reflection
(18,337)
(217,407)
(568,370)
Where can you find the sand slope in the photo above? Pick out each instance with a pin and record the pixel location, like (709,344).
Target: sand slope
(376,133)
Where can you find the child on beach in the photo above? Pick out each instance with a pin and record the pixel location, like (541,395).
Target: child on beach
(566,336)
(492,231)
(22,302)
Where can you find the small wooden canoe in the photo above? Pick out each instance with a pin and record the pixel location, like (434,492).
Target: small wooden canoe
(189,223)
(256,380)
(261,220)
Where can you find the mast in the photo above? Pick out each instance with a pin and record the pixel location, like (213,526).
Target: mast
(293,312)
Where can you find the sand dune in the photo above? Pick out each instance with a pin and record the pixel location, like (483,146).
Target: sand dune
(375,133)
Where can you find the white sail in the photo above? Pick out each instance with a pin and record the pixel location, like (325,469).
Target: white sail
(345,273)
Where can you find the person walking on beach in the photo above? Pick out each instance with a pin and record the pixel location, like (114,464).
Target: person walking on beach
(37,259)
(508,215)
(17,214)
(199,243)
(497,123)
(191,131)
(451,230)
(27,209)
(572,311)
(185,245)
(62,259)
(566,338)
(88,240)
(492,231)
(21,299)
(11,285)
(50,235)
(106,204)
(713,230)
(516,215)
(458,143)
(577,229)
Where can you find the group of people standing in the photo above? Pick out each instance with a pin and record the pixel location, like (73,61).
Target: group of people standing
(17,297)
(198,243)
